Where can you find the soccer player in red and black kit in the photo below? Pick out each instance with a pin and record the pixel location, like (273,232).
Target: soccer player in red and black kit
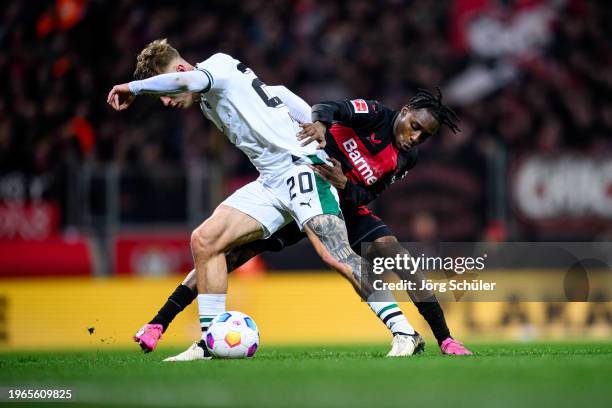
(371,147)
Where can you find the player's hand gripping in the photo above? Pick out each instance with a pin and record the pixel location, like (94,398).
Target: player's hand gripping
(312,132)
(333,174)
(120,97)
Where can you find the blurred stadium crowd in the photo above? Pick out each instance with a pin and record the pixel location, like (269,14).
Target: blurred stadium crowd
(525,76)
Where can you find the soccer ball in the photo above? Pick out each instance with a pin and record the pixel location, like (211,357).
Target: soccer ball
(232,335)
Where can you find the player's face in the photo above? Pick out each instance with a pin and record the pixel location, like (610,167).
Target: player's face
(413,127)
(182,100)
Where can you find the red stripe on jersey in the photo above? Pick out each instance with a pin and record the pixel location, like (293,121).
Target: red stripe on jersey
(368,168)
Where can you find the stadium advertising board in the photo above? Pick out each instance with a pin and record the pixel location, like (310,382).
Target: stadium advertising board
(281,304)
(152,254)
(572,192)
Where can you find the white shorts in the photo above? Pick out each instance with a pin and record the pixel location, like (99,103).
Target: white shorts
(297,194)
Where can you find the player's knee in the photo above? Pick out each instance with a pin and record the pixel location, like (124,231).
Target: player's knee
(203,244)
(386,246)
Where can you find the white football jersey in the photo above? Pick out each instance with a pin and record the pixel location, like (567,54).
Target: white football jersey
(253,119)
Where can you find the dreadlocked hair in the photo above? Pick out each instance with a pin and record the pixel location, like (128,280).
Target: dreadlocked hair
(424,99)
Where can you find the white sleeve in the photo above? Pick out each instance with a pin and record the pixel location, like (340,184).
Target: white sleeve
(219,68)
(298,108)
(172,83)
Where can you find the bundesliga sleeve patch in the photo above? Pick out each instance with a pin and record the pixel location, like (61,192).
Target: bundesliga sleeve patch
(360,106)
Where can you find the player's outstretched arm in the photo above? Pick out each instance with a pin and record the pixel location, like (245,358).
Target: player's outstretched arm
(121,96)
(171,83)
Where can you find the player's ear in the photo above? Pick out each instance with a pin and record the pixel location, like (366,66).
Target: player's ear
(405,109)
(180,68)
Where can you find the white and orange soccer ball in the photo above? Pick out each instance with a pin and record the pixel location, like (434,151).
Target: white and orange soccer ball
(232,335)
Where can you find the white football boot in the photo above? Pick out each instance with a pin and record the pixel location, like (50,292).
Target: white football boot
(406,345)
(195,352)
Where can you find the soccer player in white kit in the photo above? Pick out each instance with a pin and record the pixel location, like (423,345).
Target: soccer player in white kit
(258,123)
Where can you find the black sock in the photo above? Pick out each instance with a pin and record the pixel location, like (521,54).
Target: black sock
(178,300)
(433,314)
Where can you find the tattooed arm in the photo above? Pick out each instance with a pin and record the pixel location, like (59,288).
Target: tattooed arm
(330,239)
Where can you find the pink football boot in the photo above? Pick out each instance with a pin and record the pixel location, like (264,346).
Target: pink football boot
(148,336)
(453,347)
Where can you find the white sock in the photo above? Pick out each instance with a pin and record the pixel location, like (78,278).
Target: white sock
(390,314)
(209,306)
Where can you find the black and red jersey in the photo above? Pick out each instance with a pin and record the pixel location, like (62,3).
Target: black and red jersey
(360,136)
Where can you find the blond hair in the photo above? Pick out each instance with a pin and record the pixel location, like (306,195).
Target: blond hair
(155,58)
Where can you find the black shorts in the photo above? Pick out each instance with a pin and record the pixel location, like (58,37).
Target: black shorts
(362,226)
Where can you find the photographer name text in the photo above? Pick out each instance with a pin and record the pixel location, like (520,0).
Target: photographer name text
(477,285)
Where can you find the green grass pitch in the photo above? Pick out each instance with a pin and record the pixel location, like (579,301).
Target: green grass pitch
(500,375)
